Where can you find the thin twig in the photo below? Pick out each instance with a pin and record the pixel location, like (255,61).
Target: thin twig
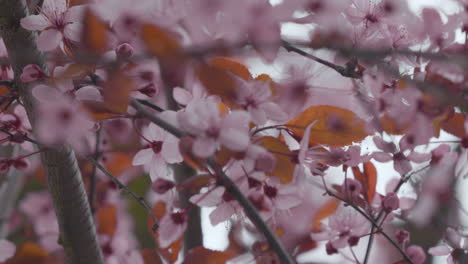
(375,225)
(348,71)
(147,103)
(19,137)
(122,186)
(92,178)
(251,212)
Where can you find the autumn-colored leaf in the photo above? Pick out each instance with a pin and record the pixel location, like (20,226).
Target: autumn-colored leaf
(94,33)
(218,77)
(284,167)
(72,3)
(150,256)
(159,41)
(391,127)
(368,179)
(233,66)
(325,211)
(98,110)
(29,253)
(455,125)
(305,245)
(76,71)
(117,162)
(195,183)
(201,255)
(334,126)
(117,92)
(107,219)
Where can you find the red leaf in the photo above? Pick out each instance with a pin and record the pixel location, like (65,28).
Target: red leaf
(201,255)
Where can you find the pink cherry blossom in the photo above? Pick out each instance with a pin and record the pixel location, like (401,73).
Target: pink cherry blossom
(171,227)
(56,22)
(161,149)
(202,118)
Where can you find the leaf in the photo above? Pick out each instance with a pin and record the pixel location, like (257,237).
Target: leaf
(195,183)
(117,162)
(185,148)
(305,245)
(116,92)
(218,77)
(107,219)
(284,167)
(455,125)
(150,256)
(392,127)
(325,211)
(159,41)
(98,110)
(233,66)
(29,253)
(335,127)
(76,71)
(94,33)
(201,255)
(368,179)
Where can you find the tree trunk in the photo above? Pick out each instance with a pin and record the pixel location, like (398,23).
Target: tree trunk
(77,230)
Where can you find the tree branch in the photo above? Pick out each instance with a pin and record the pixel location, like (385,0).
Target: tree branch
(231,188)
(77,230)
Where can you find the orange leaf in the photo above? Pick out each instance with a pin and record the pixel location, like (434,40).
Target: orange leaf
(455,125)
(76,71)
(392,127)
(284,167)
(305,245)
(335,127)
(218,78)
(150,256)
(195,183)
(325,211)
(185,148)
(29,253)
(117,92)
(117,162)
(233,66)
(201,255)
(107,219)
(368,179)
(159,41)
(94,33)
(98,110)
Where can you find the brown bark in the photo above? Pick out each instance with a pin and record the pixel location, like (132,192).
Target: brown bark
(77,230)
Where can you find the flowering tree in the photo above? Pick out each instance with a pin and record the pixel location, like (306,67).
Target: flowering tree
(162,100)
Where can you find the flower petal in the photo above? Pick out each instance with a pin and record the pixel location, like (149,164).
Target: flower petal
(35,22)
(49,40)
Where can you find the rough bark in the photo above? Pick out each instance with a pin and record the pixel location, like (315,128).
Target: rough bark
(77,230)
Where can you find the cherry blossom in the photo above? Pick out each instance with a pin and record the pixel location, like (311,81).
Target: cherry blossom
(7,249)
(56,22)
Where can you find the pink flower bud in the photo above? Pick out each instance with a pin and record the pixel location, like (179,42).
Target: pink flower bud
(330,248)
(32,73)
(403,237)
(161,186)
(20,164)
(4,165)
(390,202)
(124,51)
(351,187)
(416,254)
(149,90)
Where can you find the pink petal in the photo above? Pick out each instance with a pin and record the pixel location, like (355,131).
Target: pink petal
(441,250)
(237,119)
(35,22)
(382,156)
(170,152)
(181,96)
(7,249)
(75,13)
(143,156)
(210,198)
(88,92)
(222,213)
(169,231)
(158,168)
(234,139)
(45,93)
(73,31)
(453,237)
(274,112)
(49,40)
(285,202)
(204,147)
(419,157)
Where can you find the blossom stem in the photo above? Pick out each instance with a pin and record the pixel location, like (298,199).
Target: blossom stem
(92,178)
(147,103)
(122,186)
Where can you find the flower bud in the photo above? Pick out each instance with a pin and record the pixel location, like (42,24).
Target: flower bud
(390,202)
(32,73)
(124,51)
(161,186)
